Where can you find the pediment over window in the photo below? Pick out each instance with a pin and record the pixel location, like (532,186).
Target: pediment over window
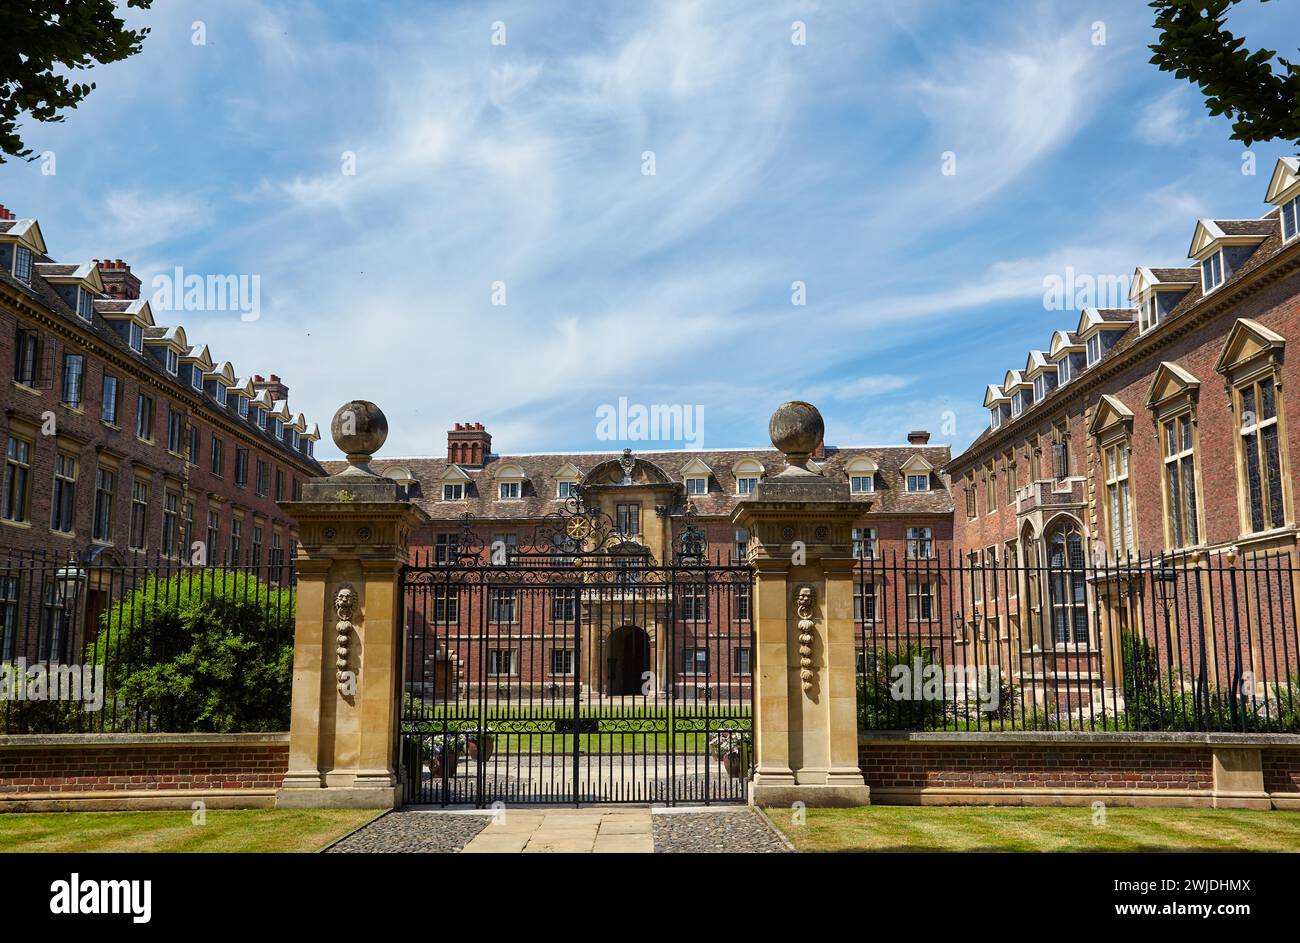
(1285,182)
(994,396)
(400,474)
(453,474)
(748,468)
(696,468)
(1171,382)
(568,472)
(510,471)
(861,466)
(917,465)
(1249,344)
(628,470)
(1111,415)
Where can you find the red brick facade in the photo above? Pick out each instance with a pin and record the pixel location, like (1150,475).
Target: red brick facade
(196,457)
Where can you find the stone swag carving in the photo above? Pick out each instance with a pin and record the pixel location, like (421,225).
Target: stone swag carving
(345,603)
(805,600)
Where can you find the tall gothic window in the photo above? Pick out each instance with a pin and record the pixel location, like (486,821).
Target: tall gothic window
(1067,586)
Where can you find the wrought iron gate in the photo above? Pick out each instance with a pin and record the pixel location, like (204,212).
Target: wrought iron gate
(576,669)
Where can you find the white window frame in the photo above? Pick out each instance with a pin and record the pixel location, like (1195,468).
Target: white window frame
(1215,267)
(862,484)
(743,488)
(1291,213)
(173,361)
(136,337)
(570,660)
(697,485)
(566,489)
(494,662)
(23,269)
(85,305)
(922,479)
(458,494)
(509,490)
(1094,355)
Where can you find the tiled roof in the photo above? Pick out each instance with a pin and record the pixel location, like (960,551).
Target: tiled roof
(1249,227)
(1175,274)
(539,497)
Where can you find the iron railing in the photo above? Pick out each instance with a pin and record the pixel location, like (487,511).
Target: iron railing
(1016,640)
(151,645)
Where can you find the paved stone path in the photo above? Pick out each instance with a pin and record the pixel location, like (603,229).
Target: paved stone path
(566,830)
(600,830)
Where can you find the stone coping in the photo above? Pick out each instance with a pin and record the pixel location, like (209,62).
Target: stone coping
(136,740)
(1067,737)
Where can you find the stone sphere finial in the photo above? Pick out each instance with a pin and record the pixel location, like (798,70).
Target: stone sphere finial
(796,429)
(359,429)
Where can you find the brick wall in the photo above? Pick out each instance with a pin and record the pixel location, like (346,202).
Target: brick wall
(1035,766)
(1069,769)
(49,767)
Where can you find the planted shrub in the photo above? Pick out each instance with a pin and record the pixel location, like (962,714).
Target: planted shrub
(209,650)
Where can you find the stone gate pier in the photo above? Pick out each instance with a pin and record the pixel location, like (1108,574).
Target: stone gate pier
(805,698)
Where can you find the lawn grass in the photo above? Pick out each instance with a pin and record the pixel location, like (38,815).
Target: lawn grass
(974,828)
(252,830)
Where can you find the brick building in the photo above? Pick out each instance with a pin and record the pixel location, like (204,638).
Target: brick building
(1153,438)
(906,516)
(124,441)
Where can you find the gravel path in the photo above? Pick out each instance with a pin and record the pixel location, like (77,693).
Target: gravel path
(415,831)
(740,831)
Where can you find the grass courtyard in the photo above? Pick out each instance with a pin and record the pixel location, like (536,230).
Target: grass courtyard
(253,830)
(973,828)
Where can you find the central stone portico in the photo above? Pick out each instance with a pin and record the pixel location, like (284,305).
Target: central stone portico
(805,700)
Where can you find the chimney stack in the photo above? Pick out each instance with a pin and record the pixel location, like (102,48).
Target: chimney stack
(274,387)
(5,212)
(117,278)
(918,437)
(468,444)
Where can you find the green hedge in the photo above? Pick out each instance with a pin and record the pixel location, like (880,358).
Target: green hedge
(207,651)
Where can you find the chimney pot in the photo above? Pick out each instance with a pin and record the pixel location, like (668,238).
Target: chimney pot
(918,437)
(5,213)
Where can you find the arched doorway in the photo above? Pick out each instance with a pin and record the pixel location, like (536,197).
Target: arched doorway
(627,658)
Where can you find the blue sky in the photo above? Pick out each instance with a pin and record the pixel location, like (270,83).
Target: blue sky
(523,164)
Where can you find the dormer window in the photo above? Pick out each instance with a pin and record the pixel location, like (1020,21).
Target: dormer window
(1094,349)
(1212,272)
(918,483)
(173,362)
(566,489)
(995,417)
(453,492)
(1291,219)
(1149,312)
(243,406)
(196,377)
(221,394)
(509,490)
(85,305)
(1040,388)
(23,265)
(137,338)
(862,484)
(746,485)
(697,486)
